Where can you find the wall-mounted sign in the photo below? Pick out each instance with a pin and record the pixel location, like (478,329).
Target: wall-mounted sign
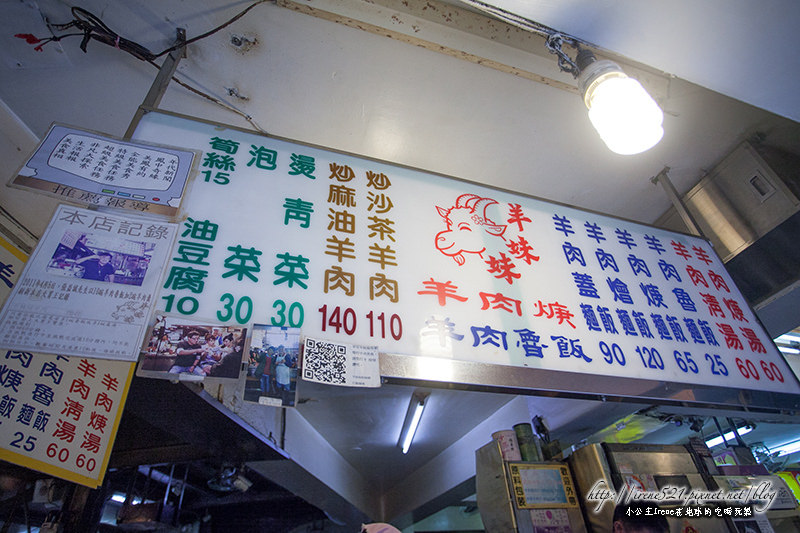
(12,261)
(88,288)
(542,486)
(60,414)
(364,252)
(95,169)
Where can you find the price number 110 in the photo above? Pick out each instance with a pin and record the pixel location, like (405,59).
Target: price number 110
(339,319)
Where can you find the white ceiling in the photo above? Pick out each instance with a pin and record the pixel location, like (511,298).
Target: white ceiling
(742,49)
(333,85)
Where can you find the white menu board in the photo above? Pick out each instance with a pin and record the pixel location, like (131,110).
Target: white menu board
(368,253)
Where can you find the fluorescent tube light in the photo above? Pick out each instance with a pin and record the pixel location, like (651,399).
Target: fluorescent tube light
(786,449)
(716,441)
(411,422)
(412,428)
(787,350)
(788,338)
(120,498)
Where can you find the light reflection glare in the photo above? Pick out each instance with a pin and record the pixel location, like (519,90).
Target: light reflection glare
(435,339)
(434,368)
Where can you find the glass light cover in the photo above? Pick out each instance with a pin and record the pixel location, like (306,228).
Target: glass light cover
(787,449)
(626,117)
(729,436)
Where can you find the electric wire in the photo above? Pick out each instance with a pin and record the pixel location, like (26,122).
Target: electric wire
(93,28)
(522,22)
(554,38)
(219,101)
(215,30)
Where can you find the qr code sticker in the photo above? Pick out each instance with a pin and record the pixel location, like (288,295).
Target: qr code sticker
(324,362)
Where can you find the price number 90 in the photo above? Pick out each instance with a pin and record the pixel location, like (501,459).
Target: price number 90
(612,353)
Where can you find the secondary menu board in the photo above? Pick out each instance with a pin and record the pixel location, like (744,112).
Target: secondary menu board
(369,253)
(60,414)
(97,170)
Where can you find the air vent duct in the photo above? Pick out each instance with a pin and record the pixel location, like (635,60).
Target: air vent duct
(747,195)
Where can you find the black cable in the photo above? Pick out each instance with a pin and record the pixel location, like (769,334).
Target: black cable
(93,28)
(211,32)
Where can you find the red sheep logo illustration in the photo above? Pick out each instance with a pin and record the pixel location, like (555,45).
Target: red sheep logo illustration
(467,227)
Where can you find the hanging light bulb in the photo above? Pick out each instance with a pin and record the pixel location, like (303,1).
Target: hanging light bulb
(626,117)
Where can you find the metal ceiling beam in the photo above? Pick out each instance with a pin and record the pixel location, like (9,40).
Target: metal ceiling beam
(160,454)
(482,39)
(407,28)
(433,372)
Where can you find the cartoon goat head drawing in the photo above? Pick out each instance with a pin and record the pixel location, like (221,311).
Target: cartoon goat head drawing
(467,227)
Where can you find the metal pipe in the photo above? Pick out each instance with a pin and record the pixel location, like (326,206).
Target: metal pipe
(721,433)
(672,194)
(738,437)
(131,487)
(180,498)
(159,86)
(146,490)
(166,490)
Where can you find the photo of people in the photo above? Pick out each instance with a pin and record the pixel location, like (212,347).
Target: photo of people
(195,351)
(101,257)
(272,367)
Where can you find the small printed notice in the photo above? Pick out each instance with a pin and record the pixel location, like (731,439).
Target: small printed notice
(95,169)
(88,288)
(550,521)
(60,414)
(338,363)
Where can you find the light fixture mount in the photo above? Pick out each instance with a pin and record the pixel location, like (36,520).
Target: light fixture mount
(554,44)
(591,71)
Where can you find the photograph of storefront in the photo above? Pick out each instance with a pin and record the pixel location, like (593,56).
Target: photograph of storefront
(394,266)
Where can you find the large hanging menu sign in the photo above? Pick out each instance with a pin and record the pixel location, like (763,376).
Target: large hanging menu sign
(88,288)
(369,253)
